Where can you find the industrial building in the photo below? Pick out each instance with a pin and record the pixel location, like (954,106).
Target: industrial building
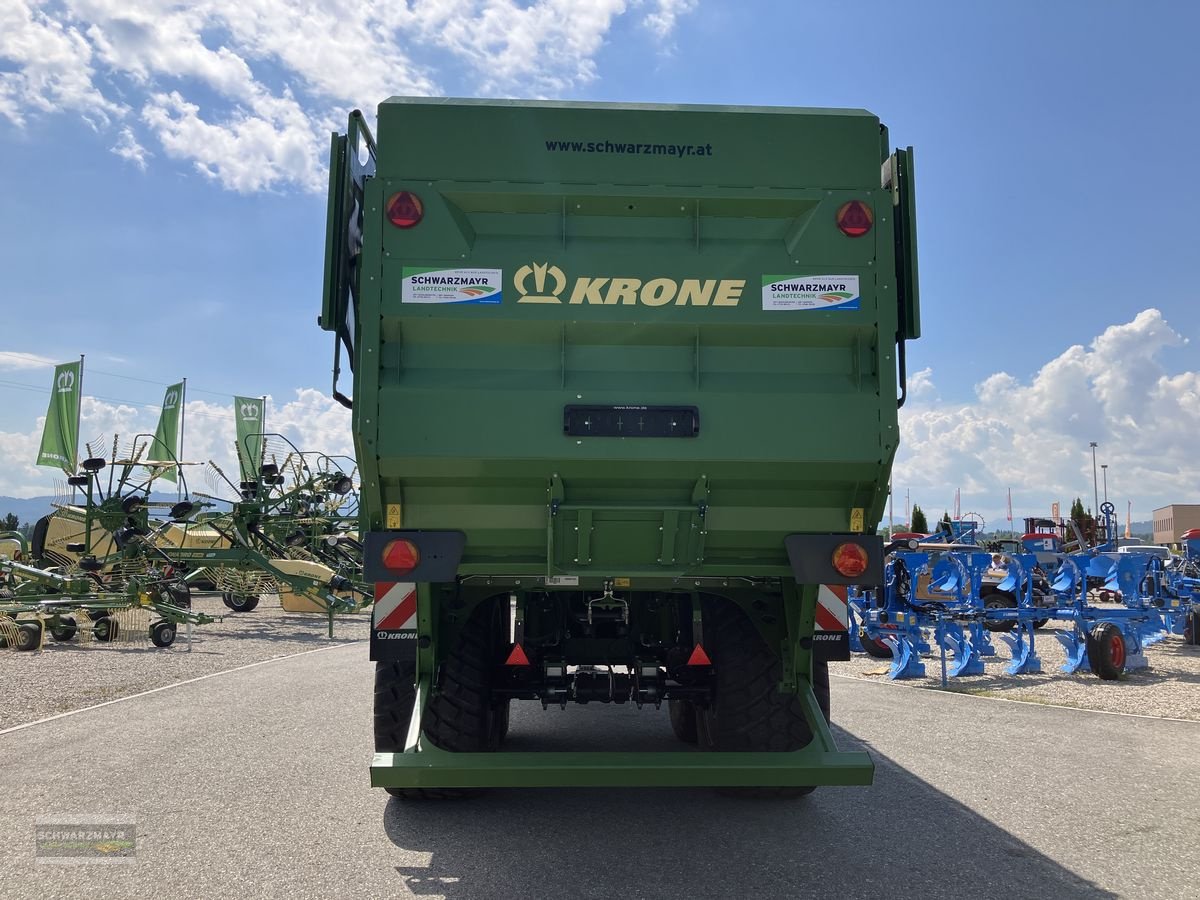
(1172,521)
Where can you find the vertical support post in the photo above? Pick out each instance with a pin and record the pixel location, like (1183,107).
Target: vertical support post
(799,611)
(179,449)
(425,633)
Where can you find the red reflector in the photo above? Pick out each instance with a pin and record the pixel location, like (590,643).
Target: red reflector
(850,559)
(699,657)
(517,657)
(405,209)
(855,218)
(401,556)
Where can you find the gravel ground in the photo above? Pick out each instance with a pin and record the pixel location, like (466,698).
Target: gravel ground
(1169,687)
(74,675)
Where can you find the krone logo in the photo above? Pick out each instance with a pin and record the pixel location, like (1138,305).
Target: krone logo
(66,382)
(171,400)
(616,291)
(539,273)
(250,411)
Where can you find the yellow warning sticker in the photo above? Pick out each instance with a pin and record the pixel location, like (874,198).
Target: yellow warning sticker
(621,582)
(393,515)
(856,520)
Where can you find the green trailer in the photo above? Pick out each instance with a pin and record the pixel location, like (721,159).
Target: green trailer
(625,392)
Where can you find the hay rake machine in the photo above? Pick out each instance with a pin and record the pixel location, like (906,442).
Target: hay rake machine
(34,602)
(111,537)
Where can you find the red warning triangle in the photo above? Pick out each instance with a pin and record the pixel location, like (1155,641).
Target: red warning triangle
(517,657)
(699,657)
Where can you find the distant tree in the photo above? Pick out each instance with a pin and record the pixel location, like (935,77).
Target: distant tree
(945,526)
(1084,519)
(10,523)
(919,523)
(1077,510)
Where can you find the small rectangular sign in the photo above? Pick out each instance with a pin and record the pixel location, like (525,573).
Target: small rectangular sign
(466,286)
(810,292)
(75,840)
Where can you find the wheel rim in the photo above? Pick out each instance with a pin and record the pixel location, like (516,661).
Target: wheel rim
(1116,650)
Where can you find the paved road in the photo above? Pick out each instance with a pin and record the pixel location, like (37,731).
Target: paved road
(254,784)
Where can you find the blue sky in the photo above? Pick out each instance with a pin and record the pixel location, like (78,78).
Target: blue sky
(1055,147)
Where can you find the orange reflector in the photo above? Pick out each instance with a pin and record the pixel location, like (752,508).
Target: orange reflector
(699,657)
(401,556)
(855,218)
(405,209)
(517,657)
(850,560)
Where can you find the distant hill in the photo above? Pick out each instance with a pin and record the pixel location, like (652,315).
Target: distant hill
(30,509)
(27,509)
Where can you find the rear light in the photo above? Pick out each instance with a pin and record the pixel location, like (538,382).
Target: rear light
(855,218)
(405,209)
(401,556)
(850,560)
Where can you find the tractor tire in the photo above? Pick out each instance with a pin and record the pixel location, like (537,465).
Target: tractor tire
(459,714)
(240,602)
(65,630)
(1191,629)
(999,600)
(1040,623)
(683,720)
(162,634)
(1106,651)
(873,646)
(29,636)
(748,713)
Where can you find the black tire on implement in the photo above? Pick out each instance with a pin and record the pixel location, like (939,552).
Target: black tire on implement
(240,602)
(29,636)
(1106,651)
(683,720)
(460,715)
(1000,600)
(873,646)
(748,713)
(65,629)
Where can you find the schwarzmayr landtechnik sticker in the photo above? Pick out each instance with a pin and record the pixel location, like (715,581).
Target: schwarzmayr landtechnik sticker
(808,292)
(421,285)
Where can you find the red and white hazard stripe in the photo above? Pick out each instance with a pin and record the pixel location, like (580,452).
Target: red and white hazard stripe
(395,606)
(832,614)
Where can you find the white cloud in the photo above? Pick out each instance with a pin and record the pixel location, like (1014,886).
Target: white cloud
(665,13)
(16,359)
(128,148)
(54,65)
(251,151)
(1034,437)
(248,90)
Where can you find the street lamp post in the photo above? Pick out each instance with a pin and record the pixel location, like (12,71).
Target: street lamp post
(1095,487)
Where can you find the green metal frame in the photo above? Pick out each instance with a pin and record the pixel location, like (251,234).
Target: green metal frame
(423,765)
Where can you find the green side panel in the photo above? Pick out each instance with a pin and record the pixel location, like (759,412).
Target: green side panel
(905,201)
(667,257)
(335,287)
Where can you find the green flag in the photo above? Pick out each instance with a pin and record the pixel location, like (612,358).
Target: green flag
(166,435)
(248,416)
(60,438)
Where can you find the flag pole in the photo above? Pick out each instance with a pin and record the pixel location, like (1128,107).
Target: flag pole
(78,424)
(179,449)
